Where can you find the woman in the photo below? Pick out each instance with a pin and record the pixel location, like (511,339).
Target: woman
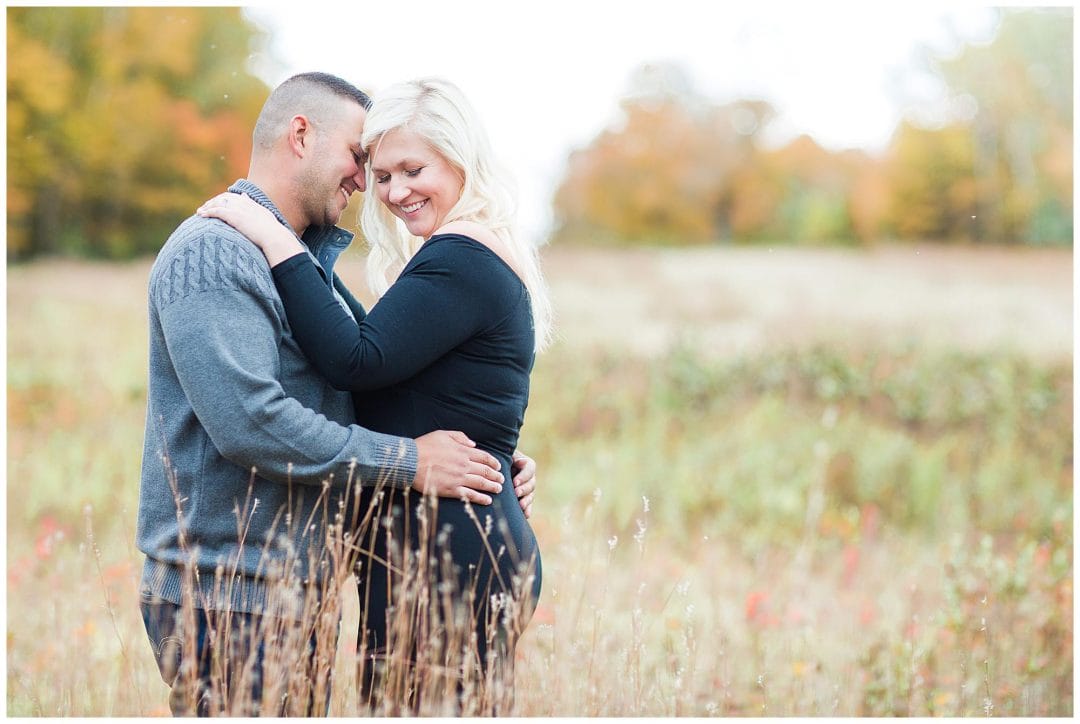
(449,345)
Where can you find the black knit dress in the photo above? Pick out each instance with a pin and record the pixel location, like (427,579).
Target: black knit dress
(449,347)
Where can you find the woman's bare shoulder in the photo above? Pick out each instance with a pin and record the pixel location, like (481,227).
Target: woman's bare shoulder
(473,230)
(482,234)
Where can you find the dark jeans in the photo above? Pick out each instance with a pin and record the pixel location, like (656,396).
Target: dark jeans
(230,651)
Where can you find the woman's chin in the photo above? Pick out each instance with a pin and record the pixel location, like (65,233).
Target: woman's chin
(423,231)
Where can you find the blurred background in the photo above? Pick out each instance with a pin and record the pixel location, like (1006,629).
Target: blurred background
(833,125)
(806,436)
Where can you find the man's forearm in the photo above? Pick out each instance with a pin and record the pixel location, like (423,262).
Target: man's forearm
(223,347)
(294,444)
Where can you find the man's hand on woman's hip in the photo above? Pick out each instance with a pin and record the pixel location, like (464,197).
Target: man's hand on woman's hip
(450,465)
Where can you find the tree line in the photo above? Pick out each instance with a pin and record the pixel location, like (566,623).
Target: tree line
(678,169)
(122,120)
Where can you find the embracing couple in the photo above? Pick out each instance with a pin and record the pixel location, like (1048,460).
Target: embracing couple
(294,438)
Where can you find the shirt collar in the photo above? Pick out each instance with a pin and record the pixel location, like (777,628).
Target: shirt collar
(324,243)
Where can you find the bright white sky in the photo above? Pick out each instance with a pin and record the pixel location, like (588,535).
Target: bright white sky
(546,77)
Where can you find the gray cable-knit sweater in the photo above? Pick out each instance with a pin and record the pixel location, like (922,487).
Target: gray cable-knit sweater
(241,431)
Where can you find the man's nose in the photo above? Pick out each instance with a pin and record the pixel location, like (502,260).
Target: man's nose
(360,179)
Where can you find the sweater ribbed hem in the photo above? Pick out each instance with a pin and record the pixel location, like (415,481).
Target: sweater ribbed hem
(239,594)
(395,462)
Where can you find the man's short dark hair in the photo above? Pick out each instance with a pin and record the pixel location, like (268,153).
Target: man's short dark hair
(338,86)
(312,94)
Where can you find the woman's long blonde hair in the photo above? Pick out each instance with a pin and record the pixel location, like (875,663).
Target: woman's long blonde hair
(438,112)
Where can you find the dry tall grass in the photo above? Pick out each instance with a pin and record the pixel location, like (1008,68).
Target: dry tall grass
(432,665)
(862,530)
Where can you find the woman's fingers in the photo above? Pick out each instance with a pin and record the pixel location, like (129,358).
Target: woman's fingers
(216,202)
(526,504)
(226,202)
(525,466)
(521,489)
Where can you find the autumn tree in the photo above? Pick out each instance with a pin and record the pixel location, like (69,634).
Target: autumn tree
(679,169)
(800,192)
(997,165)
(121,121)
(1000,168)
(932,181)
(660,175)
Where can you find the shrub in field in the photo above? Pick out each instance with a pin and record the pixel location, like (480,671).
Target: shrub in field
(932,440)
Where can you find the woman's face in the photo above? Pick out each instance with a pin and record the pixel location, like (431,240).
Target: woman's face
(414,181)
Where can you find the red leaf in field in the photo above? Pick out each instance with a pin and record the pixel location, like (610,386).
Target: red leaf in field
(117,572)
(49,532)
(870,519)
(1042,555)
(868,613)
(544,615)
(851,564)
(757,603)
(17,572)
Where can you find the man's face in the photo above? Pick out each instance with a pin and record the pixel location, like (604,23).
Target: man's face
(335,167)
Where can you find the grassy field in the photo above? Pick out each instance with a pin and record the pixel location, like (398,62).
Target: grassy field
(773,482)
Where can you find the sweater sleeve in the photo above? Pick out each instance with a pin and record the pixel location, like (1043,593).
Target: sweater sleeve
(445,295)
(222,337)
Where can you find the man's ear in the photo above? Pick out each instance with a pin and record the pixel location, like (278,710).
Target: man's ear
(299,135)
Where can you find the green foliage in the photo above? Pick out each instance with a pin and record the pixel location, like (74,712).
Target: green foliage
(930,441)
(121,121)
(1003,171)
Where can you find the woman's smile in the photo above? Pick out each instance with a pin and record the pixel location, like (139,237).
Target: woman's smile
(413,208)
(405,168)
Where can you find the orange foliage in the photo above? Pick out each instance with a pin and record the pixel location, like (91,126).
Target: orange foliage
(129,118)
(679,169)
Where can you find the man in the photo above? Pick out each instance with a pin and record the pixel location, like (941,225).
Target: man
(249,456)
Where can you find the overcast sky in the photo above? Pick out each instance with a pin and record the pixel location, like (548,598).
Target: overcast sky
(546,77)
